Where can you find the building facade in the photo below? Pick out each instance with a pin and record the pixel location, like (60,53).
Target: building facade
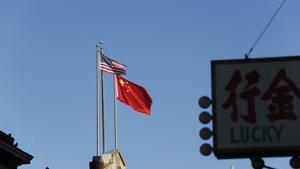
(11,157)
(110,160)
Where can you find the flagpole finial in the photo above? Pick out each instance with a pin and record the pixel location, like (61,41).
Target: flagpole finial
(99,43)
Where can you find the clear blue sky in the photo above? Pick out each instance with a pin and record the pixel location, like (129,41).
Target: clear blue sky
(47,72)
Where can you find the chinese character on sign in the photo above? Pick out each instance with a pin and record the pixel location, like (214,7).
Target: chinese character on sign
(248,94)
(279,93)
(282,107)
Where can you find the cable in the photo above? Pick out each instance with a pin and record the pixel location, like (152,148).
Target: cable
(267,167)
(265,29)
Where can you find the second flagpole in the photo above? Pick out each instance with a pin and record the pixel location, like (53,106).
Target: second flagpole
(115,113)
(103,106)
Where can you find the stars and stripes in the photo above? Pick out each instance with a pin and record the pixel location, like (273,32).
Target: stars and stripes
(112,66)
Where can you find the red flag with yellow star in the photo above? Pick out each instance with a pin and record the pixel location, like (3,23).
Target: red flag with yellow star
(133,95)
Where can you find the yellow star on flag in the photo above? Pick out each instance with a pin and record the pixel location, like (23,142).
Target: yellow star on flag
(122,82)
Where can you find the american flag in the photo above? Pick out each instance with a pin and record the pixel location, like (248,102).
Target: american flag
(111,66)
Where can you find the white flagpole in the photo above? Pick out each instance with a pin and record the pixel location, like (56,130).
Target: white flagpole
(98,53)
(115,113)
(103,107)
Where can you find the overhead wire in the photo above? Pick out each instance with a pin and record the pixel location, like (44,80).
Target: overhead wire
(247,55)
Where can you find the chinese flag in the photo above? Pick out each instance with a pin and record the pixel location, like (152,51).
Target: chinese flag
(133,95)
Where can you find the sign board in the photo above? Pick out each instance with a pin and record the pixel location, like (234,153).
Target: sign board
(256,107)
